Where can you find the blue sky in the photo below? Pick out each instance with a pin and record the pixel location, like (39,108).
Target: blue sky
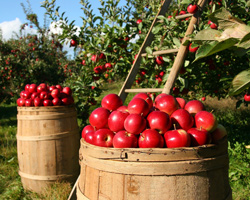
(12,15)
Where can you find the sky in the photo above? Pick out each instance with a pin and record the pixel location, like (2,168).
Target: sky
(12,15)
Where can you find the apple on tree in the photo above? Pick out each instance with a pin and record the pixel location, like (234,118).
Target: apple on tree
(192,8)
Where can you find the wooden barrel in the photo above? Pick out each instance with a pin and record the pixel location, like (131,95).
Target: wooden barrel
(48,143)
(154,174)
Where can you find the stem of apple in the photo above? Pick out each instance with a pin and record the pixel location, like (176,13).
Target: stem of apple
(211,111)
(174,126)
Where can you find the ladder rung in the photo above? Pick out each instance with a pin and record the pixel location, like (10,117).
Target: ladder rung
(183,16)
(143,90)
(167,51)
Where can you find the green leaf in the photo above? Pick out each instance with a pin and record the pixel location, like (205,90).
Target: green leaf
(206,34)
(176,42)
(214,47)
(186,2)
(224,19)
(156,29)
(149,50)
(240,83)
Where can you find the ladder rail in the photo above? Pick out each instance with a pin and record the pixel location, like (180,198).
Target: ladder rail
(147,41)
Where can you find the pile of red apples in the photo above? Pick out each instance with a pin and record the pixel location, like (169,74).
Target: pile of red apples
(166,122)
(45,95)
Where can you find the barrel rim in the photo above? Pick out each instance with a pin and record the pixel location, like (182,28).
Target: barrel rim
(44,108)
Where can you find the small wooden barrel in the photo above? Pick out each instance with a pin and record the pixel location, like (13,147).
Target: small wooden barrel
(148,174)
(48,143)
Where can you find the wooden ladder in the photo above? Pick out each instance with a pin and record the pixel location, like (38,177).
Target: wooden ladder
(179,59)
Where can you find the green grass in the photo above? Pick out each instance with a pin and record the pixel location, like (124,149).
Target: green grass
(237,123)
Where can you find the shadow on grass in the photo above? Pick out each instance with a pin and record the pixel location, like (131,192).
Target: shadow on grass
(8,115)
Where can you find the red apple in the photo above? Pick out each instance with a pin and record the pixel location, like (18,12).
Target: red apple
(182,119)
(177,138)
(212,25)
(206,120)
(47,102)
(59,87)
(192,49)
(139,21)
(192,8)
(67,100)
(44,95)
(124,139)
(21,102)
(21,94)
(27,86)
(55,93)
(52,88)
(219,133)
(89,137)
(194,106)
(123,108)
(26,95)
(56,101)
(145,97)
(108,66)
(199,136)
(99,118)
(203,98)
(95,58)
(34,95)
(150,138)
(67,91)
(32,88)
(159,60)
(111,102)
(73,43)
(159,121)
(38,102)
(247,97)
(87,129)
(167,104)
(42,87)
(138,106)
(116,120)
(159,96)
(103,137)
(29,102)
(135,123)
(181,101)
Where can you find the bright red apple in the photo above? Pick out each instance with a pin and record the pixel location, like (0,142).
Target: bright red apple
(159,60)
(103,137)
(99,118)
(124,139)
(159,96)
(139,21)
(194,106)
(38,102)
(27,86)
(145,97)
(32,88)
(44,95)
(182,119)
(29,102)
(159,121)
(138,106)
(111,102)
(89,137)
(206,120)
(56,101)
(26,95)
(167,104)
(34,95)
(47,102)
(192,8)
(192,49)
(55,93)
(59,87)
(67,90)
(21,102)
(123,108)
(116,120)
(219,133)
(199,137)
(52,88)
(135,123)
(87,129)
(247,97)
(150,138)
(181,101)
(177,138)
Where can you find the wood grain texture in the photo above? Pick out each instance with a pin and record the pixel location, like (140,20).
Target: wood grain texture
(48,142)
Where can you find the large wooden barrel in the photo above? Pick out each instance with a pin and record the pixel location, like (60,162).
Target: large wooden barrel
(154,174)
(48,143)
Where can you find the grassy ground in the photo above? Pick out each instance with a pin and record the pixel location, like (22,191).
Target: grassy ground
(237,122)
